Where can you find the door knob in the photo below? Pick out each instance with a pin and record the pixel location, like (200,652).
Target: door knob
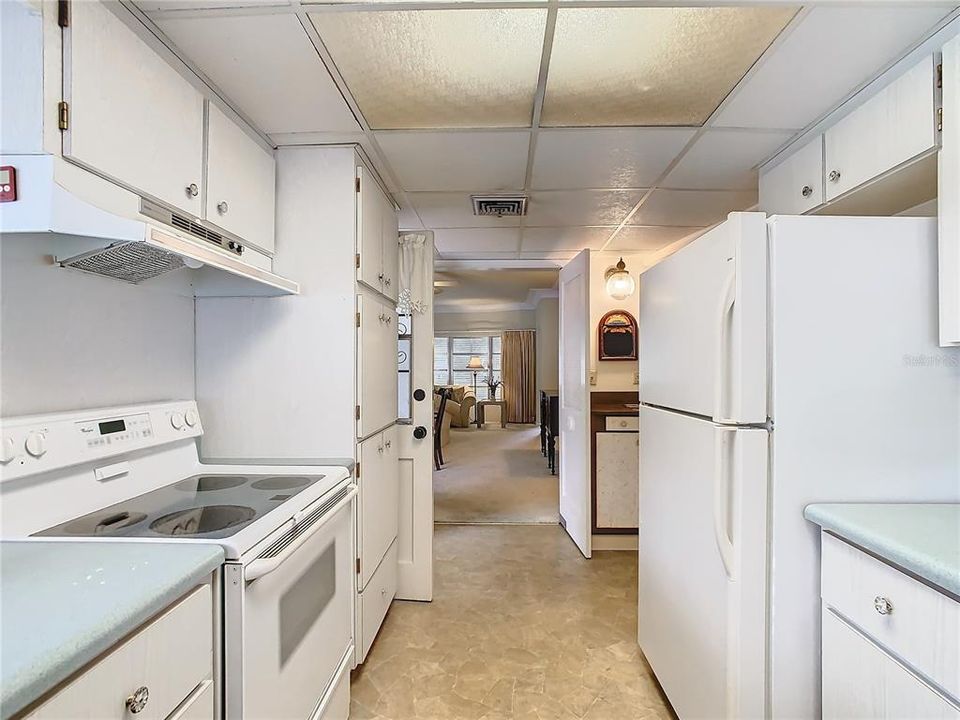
(419,432)
(419,394)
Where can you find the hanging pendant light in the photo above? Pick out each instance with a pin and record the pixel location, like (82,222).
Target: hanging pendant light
(620,285)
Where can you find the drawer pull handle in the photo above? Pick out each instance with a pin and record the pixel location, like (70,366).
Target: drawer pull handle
(807,191)
(138,701)
(882,605)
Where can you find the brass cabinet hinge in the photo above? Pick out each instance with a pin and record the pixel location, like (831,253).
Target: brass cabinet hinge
(358,471)
(939,76)
(358,184)
(358,261)
(358,566)
(358,412)
(63,115)
(940,119)
(63,13)
(358,319)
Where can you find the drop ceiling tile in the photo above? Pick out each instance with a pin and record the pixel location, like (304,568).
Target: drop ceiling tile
(565,238)
(829,53)
(477,240)
(692,208)
(605,158)
(653,65)
(457,161)
(438,68)
(724,159)
(454,210)
(152,6)
(580,207)
(643,237)
(268,67)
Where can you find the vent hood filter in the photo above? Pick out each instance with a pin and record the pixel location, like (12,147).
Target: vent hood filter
(132,262)
(499,205)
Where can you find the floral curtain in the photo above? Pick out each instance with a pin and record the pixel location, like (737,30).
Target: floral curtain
(519,363)
(416,273)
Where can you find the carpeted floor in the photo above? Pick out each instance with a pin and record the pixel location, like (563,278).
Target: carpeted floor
(495,475)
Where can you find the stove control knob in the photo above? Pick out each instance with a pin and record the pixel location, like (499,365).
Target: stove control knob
(191,417)
(36,444)
(8,450)
(176,419)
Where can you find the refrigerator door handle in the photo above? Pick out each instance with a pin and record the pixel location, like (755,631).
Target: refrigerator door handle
(727,301)
(721,498)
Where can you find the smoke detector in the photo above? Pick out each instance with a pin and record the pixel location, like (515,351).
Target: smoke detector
(499,205)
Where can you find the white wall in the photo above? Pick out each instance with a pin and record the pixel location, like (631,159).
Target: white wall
(611,375)
(71,340)
(445,323)
(548,344)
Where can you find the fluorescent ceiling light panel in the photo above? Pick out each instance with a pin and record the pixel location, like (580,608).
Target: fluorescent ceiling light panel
(652,66)
(438,68)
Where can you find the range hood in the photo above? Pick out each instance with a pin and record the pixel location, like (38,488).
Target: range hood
(130,243)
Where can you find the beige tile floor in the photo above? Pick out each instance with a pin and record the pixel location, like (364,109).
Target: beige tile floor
(521,626)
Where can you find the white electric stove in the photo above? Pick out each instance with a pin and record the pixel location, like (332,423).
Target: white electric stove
(134,474)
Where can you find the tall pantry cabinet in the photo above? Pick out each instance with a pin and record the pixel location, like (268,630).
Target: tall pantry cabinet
(314,377)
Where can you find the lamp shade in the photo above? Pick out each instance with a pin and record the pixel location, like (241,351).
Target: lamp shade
(475,363)
(620,285)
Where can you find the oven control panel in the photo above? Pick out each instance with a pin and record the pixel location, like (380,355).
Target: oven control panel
(37,444)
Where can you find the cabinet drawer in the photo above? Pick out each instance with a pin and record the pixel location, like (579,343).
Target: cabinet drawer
(894,126)
(795,186)
(918,624)
(376,598)
(862,681)
(337,705)
(626,424)
(170,657)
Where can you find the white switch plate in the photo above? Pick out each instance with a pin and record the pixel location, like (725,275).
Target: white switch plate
(593,377)
(636,377)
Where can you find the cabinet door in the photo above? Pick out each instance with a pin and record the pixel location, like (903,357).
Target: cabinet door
(379,499)
(377,365)
(391,250)
(795,186)
(618,480)
(861,681)
(241,182)
(896,125)
(949,198)
(369,231)
(133,118)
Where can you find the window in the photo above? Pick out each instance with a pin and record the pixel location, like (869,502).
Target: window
(404,365)
(451,355)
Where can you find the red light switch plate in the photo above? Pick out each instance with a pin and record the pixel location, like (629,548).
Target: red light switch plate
(8,183)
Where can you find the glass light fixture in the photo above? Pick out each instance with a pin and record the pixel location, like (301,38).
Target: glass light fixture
(620,285)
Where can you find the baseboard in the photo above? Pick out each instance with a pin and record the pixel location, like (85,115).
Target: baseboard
(615,542)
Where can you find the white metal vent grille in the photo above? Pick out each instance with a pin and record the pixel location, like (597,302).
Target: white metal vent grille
(132,262)
(182,222)
(499,205)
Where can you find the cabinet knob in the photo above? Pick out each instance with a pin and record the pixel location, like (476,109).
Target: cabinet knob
(192,190)
(380,449)
(380,277)
(388,443)
(882,605)
(138,701)
(387,281)
(222,207)
(807,191)
(834,176)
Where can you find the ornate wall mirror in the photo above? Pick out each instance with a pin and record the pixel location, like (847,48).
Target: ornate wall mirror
(617,336)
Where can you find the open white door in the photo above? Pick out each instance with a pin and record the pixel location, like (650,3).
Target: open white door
(575,401)
(415,539)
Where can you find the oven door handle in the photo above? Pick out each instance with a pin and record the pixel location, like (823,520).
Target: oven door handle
(263,566)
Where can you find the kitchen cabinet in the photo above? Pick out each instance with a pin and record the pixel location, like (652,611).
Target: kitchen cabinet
(374,601)
(241,182)
(131,116)
(376,363)
(795,186)
(949,197)
(378,475)
(615,462)
(893,127)
(165,670)
(377,229)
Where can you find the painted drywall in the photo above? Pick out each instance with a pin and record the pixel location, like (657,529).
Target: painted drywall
(619,375)
(445,323)
(548,343)
(70,340)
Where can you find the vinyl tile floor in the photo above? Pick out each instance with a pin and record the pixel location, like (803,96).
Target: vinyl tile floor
(521,626)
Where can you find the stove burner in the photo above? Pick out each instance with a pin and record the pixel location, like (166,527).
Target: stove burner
(209,483)
(280,483)
(103,523)
(203,519)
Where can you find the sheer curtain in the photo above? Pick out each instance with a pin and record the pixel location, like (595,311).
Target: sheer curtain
(416,277)
(519,363)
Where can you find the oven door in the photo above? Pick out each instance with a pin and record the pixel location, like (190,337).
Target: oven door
(296,616)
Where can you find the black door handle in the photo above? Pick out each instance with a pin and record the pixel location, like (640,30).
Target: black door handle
(419,432)
(419,394)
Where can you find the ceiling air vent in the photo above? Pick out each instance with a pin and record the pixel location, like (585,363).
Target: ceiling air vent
(499,205)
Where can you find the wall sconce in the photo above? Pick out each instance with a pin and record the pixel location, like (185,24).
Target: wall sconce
(620,285)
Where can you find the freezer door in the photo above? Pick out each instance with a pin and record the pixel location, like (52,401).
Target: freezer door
(702,593)
(703,325)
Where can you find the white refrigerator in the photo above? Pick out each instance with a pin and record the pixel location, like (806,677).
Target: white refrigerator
(783,361)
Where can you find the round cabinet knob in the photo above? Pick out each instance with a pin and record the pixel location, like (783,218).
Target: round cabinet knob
(388,443)
(192,190)
(138,701)
(8,450)
(882,605)
(807,191)
(388,281)
(222,207)
(176,420)
(834,176)
(36,444)
(191,417)
(623,423)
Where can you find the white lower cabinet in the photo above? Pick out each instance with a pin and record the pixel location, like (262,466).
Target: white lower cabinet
(618,466)
(165,670)
(375,600)
(379,481)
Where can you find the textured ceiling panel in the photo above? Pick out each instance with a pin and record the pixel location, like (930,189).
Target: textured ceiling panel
(692,207)
(724,159)
(652,66)
(642,237)
(477,240)
(580,207)
(438,68)
(565,238)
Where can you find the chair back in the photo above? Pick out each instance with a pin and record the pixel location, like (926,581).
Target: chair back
(444,394)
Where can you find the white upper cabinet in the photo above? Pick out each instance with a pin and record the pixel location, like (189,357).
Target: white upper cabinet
(949,198)
(132,117)
(795,186)
(376,364)
(896,125)
(241,182)
(377,228)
